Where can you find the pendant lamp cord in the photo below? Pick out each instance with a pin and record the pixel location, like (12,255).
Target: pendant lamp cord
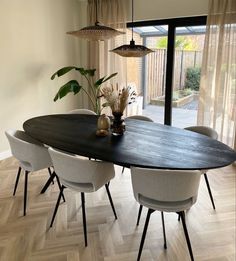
(132,10)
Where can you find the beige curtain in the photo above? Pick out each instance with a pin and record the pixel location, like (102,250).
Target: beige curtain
(111,13)
(217,99)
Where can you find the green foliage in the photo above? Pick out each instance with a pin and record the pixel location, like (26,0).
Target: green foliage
(181,93)
(181,43)
(162,42)
(175,96)
(185,43)
(186,92)
(192,80)
(74,87)
(71,86)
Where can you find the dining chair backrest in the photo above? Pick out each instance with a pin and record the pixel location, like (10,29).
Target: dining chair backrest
(73,169)
(164,186)
(31,154)
(207,131)
(140,117)
(82,111)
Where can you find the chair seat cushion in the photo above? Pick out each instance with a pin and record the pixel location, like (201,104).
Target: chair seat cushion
(81,187)
(166,206)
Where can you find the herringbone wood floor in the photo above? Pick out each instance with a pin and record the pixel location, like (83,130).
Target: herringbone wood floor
(212,233)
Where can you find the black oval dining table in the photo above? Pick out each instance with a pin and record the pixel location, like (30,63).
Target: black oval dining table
(144,144)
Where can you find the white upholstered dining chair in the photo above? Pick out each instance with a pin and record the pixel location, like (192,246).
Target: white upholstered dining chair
(82,111)
(140,117)
(166,191)
(81,175)
(211,133)
(31,154)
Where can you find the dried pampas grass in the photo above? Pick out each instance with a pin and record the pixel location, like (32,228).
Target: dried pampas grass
(117,99)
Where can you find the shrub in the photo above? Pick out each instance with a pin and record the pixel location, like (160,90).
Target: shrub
(186,92)
(192,80)
(175,96)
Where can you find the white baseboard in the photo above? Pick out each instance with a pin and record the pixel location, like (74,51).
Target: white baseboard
(5,154)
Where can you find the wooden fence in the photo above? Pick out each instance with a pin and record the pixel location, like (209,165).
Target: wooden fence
(156,69)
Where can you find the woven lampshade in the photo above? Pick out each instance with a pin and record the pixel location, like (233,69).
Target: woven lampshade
(131,50)
(96,32)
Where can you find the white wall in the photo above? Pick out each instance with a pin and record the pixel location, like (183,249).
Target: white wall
(159,9)
(33,45)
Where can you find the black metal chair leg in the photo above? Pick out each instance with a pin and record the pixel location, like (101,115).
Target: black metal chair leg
(139,214)
(60,186)
(182,216)
(164,230)
(123,169)
(84,218)
(110,199)
(17,180)
(50,174)
(209,191)
(108,184)
(45,187)
(150,211)
(25,191)
(178,216)
(57,205)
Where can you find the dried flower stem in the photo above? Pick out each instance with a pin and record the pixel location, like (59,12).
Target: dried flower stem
(117,100)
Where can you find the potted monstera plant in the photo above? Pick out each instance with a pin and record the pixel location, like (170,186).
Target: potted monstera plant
(93,90)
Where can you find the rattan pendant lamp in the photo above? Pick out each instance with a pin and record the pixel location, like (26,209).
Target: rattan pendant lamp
(132,49)
(96,32)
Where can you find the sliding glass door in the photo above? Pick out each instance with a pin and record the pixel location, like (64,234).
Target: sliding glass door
(177,45)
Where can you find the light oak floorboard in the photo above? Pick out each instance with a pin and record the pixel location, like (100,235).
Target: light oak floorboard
(29,238)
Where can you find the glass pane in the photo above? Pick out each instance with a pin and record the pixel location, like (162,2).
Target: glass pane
(189,44)
(146,29)
(148,73)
